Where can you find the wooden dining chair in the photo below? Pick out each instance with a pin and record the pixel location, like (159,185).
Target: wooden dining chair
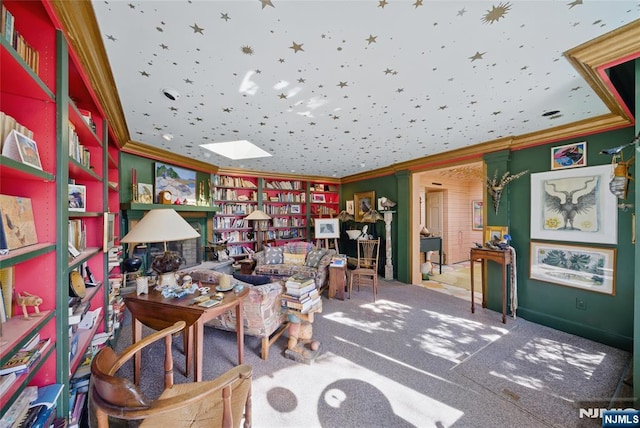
(367,265)
(221,402)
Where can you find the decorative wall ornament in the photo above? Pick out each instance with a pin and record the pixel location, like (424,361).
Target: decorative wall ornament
(495,187)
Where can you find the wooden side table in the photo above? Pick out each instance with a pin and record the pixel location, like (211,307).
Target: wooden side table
(337,281)
(247,266)
(503,258)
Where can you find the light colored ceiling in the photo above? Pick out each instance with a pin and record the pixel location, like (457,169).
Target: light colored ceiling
(335,88)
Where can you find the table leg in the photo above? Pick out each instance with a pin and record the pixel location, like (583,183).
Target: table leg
(504,293)
(187,340)
(240,334)
(198,349)
(473,307)
(484,286)
(168,363)
(137,335)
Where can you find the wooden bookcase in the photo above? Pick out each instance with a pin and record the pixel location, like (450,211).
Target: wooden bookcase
(285,201)
(53,100)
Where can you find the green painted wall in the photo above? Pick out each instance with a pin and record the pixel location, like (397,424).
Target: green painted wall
(607,319)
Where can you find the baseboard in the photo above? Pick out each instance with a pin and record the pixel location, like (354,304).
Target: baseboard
(608,338)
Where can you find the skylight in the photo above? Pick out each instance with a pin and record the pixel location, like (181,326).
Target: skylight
(241,149)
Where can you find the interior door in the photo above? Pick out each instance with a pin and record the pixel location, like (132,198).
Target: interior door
(435,212)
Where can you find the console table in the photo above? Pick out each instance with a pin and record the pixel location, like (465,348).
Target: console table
(432,243)
(503,258)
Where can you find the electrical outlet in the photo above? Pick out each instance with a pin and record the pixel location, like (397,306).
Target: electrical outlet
(581,304)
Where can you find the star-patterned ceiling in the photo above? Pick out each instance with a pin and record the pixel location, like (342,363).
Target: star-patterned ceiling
(335,88)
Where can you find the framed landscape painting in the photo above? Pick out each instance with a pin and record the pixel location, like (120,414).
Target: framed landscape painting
(574,205)
(180,182)
(585,267)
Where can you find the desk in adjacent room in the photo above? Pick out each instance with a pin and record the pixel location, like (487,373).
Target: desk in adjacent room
(503,258)
(432,243)
(158,312)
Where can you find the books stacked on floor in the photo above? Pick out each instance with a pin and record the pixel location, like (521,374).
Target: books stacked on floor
(301,294)
(26,357)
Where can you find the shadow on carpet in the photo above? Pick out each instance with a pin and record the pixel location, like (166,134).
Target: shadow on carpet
(549,373)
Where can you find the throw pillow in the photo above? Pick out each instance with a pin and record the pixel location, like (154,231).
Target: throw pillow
(294,259)
(273,256)
(252,279)
(314,256)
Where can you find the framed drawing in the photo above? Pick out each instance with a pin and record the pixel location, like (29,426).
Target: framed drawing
(145,193)
(109,232)
(180,182)
(363,203)
(350,207)
(17,226)
(588,268)
(327,228)
(477,215)
(574,205)
(495,232)
(569,156)
(77,197)
(295,209)
(318,198)
(21,148)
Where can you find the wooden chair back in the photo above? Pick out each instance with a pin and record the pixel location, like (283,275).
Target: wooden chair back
(368,250)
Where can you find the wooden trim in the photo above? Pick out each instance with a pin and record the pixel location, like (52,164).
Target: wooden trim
(139,149)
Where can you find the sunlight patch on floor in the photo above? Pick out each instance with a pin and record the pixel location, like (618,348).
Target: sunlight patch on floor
(337,385)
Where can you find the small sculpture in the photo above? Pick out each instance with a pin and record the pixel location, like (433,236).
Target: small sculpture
(28,299)
(386,203)
(496,188)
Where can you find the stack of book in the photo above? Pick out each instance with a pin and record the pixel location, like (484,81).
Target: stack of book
(22,360)
(301,294)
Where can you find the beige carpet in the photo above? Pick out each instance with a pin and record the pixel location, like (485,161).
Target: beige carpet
(458,275)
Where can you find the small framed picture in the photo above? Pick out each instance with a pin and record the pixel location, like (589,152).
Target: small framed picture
(77,197)
(295,209)
(21,148)
(318,198)
(569,156)
(350,207)
(145,193)
(477,212)
(495,232)
(327,228)
(109,232)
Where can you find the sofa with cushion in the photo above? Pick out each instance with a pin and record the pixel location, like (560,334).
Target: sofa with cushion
(262,312)
(298,257)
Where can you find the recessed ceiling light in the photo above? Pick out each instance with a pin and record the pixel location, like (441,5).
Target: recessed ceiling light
(362,165)
(167,137)
(170,93)
(241,149)
(550,113)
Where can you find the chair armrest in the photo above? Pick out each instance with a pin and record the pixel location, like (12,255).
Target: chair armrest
(131,350)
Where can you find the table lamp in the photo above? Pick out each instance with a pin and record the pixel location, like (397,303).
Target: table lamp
(259,216)
(162,225)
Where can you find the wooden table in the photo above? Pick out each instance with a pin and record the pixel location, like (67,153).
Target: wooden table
(247,266)
(337,281)
(503,258)
(158,312)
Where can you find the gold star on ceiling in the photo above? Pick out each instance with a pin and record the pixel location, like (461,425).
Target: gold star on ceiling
(418,3)
(371,39)
(342,84)
(224,16)
(282,96)
(382,3)
(164,47)
(388,71)
(476,56)
(145,74)
(574,3)
(247,50)
(462,12)
(496,13)
(110,37)
(196,29)
(266,3)
(296,47)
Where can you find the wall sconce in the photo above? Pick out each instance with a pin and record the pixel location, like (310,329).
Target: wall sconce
(619,184)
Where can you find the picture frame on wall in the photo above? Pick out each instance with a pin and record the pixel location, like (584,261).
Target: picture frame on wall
(495,232)
(180,182)
(77,197)
(572,155)
(477,215)
(364,202)
(349,206)
(574,205)
(578,266)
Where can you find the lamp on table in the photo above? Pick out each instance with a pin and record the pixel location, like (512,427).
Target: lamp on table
(162,225)
(259,216)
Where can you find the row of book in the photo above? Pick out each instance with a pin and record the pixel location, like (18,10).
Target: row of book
(17,41)
(289,185)
(301,294)
(7,124)
(285,197)
(77,151)
(226,181)
(35,407)
(26,357)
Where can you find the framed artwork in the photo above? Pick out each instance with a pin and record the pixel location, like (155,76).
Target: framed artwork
(327,228)
(295,209)
(21,148)
(477,215)
(574,205)
(318,198)
(569,156)
(181,182)
(145,193)
(77,197)
(363,203)
(350,207)
(109,231)
(495,232)
(17,226)
(585,267)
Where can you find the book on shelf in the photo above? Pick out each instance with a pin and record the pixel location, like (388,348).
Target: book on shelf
(23,360)
(19,408)
(48,395)
(31,343)
(6,381)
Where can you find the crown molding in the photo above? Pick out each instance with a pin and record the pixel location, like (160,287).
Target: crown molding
(139,149)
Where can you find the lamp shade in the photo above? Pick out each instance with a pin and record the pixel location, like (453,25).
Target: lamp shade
(258,215)
(160,225)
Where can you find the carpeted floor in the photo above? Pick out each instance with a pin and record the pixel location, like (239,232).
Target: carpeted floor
(419,358)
